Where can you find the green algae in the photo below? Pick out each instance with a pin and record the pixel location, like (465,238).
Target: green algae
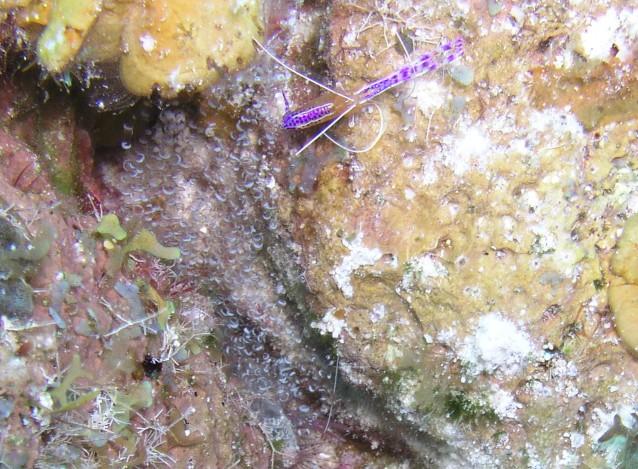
(117,416)
(110,226)
(60,395)
(165,312)
(138,396)
(114,235)
(147,242)
(55,145)
(465,408)
(429,398)
(210,341)
(118,357)
(165,308)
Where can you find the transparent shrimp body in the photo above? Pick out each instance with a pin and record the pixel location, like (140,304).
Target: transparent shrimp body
(322,109)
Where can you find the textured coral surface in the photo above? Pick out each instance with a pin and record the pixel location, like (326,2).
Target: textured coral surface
(180,288)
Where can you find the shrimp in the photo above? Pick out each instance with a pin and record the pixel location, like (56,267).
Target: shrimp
(331,108)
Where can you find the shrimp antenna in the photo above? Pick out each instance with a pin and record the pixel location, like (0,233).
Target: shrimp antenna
(403,46)
(286,103)
(371,145)
(299,74)
(407,60)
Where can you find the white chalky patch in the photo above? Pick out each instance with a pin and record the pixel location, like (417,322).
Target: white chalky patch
(603,420)
(497,344)
(468,150)
(358,257)
(429,174)
(446,336)
(567,459)
(564,59)
(576,439)
(530,199)
(508,224)
(148,42)
(556,122)
(239,4)
(45,400)
(463,6)
(378,312)
(453,209)
(545,238)
(330,324)
(55,42)
(350,38)
(504,404)
(597,39)
(476,146)
(174,79)
(392,354)
(406,391)
(619,28)
(429,95)
(420,270)
(632,203)
(533,459)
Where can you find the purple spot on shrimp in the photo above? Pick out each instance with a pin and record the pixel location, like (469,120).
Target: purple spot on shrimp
(288,122)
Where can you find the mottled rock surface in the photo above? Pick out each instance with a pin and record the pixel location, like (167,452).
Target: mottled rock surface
(462,264)
(460,295)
